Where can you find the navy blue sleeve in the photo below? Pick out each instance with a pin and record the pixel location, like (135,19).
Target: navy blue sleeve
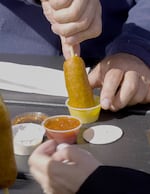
(111,180)
(35,2)
(135,36)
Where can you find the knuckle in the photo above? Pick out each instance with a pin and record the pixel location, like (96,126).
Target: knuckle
(85,23)
(97,31)
(65,33)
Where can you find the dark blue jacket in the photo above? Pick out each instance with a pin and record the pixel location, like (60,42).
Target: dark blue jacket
(126,28)
(116,180)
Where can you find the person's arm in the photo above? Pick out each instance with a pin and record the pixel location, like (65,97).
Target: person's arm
(69,169)
(124,74)
(135,36)
(110,180)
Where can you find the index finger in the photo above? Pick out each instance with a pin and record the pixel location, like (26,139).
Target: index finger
(111,83)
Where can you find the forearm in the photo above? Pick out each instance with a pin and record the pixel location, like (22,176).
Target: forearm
(135,36)
(133,40)
(107,179)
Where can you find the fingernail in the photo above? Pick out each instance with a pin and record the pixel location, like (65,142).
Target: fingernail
(105,103)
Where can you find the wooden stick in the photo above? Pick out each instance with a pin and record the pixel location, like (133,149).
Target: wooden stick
(71,51)
(6,191)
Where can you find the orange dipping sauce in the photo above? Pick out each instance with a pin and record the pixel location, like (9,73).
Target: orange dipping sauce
(62,123)
(62,128)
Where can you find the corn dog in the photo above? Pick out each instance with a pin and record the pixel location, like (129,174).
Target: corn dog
(79,91)
(8,170)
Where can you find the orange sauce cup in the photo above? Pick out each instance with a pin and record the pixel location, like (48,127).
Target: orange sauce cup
(62,128)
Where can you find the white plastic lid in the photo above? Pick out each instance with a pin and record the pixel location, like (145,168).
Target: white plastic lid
(102,134)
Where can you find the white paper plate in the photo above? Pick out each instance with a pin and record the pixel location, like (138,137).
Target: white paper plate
(102,134)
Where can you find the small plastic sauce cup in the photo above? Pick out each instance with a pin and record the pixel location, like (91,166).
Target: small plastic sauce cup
(62,128)
(29,117)
(86,115)
(27,127)
(26,137)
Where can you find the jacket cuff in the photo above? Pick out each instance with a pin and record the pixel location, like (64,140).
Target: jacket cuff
(91,184)
(134,41)
(110,179)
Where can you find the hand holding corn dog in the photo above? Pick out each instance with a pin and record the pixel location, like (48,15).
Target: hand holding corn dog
(74,21)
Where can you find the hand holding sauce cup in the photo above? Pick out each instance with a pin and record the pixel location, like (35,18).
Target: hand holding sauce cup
(62,128)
